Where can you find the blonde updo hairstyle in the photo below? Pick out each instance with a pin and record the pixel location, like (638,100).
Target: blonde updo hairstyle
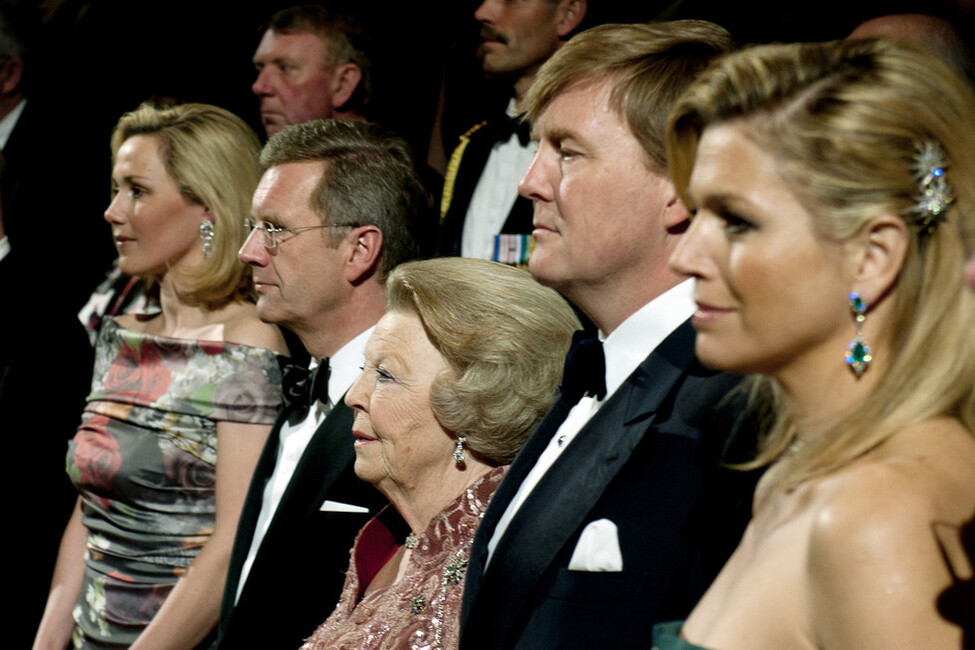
(212,156)
(844,121)
(504,337)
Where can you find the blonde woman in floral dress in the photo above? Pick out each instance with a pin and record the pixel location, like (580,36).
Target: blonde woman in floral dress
(143,559)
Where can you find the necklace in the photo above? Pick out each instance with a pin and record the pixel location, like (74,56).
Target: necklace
(411,541)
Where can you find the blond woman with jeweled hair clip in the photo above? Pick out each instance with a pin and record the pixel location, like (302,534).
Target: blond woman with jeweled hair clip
(832,186)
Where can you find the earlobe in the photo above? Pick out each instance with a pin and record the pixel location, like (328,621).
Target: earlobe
(882,248)
(344,82)
(572,13)
(363,260)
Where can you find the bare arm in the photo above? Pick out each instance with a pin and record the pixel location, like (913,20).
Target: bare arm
(193,607)
(876,570)
(57,623)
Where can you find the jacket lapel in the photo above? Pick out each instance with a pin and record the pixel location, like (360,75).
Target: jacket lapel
(520,468)
(328,453)
(560,503)
(250,512)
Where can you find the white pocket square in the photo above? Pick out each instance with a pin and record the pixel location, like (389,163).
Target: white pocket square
(335,506)
(598,548)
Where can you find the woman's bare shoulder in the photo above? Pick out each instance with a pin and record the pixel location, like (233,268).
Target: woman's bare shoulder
(244,327)
(879,534)
(921,474)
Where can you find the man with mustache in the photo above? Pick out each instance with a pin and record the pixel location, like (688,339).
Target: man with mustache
(480,197)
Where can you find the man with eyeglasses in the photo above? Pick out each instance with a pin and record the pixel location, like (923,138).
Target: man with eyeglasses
(334,212)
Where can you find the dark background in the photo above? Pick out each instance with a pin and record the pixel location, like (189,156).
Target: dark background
(99,58)
(93,60)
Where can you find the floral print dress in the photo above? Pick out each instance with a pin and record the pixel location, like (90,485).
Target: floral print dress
(144,461)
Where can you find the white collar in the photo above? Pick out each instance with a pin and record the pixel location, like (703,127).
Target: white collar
(629,344)
(345,365)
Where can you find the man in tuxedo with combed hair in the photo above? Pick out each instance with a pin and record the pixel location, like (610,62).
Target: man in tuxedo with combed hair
(617,513)
(333,213)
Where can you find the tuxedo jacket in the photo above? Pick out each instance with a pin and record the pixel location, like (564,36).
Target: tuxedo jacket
(463,172)
(648,461)
(298,573)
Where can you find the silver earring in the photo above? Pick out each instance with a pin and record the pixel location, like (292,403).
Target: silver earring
(459,454)
(206,235)
(858,355)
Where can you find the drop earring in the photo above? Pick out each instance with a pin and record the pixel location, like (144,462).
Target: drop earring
(206,236)
(858,355)
(459,454)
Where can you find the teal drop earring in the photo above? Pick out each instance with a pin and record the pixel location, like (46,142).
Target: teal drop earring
(858,355)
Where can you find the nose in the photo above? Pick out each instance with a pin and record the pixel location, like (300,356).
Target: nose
(112,215)
(536,184)
(262,85)
(485,13)
(356,397)
(253,252)
(690,255)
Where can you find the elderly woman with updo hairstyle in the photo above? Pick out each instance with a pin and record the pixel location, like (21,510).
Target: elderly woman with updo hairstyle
(457,375)
(181,401)
(832,187)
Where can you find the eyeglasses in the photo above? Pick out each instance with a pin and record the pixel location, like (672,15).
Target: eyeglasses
(274,236)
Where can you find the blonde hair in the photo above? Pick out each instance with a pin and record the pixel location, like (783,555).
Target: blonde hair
(844,121)
(504,337)
(212,155)
(650,65)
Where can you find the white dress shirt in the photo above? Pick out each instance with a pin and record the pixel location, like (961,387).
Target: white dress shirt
(625,349)
(495,193)
(345,365)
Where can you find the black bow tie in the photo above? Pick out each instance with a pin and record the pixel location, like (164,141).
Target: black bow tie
(505,126)
(585,368)
(303,387)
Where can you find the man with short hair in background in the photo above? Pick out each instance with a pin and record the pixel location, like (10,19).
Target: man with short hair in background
(312,63)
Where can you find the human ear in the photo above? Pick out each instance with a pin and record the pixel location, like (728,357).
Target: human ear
(676,217)
(345,80)
(363,259)
(879,251)
(570,16)
(11,73)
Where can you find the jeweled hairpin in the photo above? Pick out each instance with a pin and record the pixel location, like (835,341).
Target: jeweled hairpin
(934,196)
